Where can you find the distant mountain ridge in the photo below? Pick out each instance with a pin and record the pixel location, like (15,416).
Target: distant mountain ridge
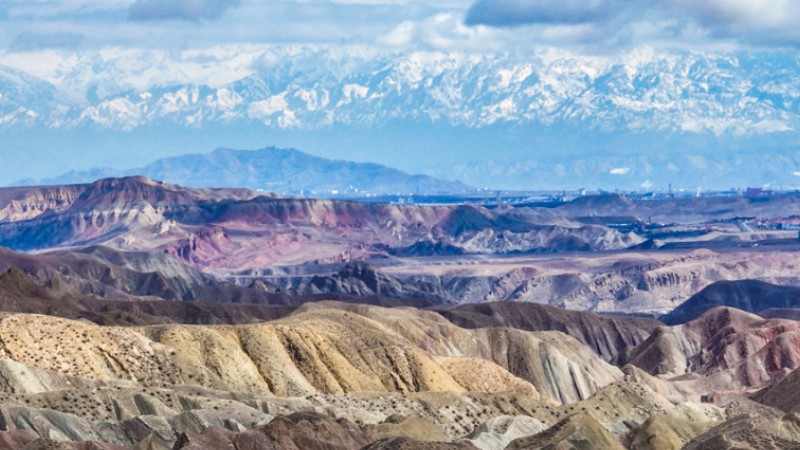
(286,171)
(683,92)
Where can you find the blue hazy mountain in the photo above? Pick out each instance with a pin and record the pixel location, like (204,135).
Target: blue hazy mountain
(272,169)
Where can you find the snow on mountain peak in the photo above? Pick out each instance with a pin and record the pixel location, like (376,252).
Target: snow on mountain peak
(312,87)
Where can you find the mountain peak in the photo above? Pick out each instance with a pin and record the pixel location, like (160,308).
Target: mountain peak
(602,202)
(680,92)
(126,182)
(131,190)
(281,170)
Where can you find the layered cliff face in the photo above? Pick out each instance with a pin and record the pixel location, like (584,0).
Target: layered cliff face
(236,229)
(105,273)
(633,281)
(27,203)
(443,254)
(733,349)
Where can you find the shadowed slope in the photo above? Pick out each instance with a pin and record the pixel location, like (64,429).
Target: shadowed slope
(298,431)
(611,337)
(784,395)
(747,295)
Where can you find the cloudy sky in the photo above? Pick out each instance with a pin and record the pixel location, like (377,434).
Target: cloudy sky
(483,25)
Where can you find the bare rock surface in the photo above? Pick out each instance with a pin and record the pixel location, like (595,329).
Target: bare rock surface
(673,429)
(413,427)
(298,431)
(328,348)
(578,432)
(240,229)
(750,432)
(733,349)
(499,431)
(411,444)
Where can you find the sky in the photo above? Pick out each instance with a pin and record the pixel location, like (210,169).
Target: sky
(146,43)
(591,26)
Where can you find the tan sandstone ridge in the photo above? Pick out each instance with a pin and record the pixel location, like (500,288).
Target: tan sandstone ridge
(386,377)
(324,348)
(59,407)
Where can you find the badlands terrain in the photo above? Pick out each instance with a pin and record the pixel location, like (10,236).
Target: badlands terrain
(143,315)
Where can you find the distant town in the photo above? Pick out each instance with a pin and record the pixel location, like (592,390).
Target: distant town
(492,198)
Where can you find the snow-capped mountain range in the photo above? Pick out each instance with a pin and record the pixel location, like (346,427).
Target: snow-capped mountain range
(315,87)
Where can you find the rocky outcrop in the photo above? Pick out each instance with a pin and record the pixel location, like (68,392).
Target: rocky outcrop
(641,283)
(576,432)
(116,275)
(360,279)
(411,444)
(739,349)
(411,427)
(750,431)
(298,431)
(18,204)
(21,293)
(673,429)
(500,431)
(784,395)
(14,440)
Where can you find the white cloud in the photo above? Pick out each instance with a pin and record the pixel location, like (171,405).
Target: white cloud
(620,171)
(585,26)
(401,36)
(445,31)
(753,22)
